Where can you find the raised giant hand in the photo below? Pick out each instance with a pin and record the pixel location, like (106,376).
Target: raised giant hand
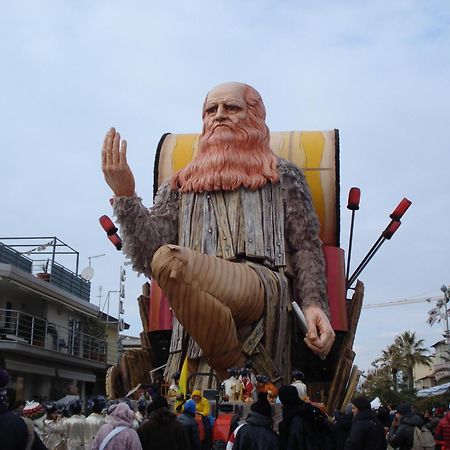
(115,167)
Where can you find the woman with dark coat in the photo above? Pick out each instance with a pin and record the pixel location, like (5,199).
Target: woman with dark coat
(367,433)
(162,431)
(304,426)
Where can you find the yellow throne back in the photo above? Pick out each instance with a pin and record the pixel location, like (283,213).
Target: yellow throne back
(316,152)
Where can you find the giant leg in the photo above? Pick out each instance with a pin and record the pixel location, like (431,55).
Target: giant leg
(211,298)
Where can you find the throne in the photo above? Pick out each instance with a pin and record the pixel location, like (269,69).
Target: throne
(317,154)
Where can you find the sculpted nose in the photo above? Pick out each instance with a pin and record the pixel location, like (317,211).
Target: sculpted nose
(220,114)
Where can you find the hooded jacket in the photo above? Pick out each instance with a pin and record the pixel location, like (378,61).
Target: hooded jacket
(402,438)
(127,439)
(189,423)
(256,434)
(366,433)
(341,429)
(13,430)
(163,432)
(304,427)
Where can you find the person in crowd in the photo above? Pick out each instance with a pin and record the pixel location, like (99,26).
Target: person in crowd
(162,431)
(18,407)
(382,414)
(34,413)
(54,432)
(442,431)
(118,433)
(187,419)
(232,385)
(303,426)
(401,434)
(76,427)
(263,384)
(367,432)
(247,386)
(95,419)
(203,408)
(15,433)
(139,415)
(154,388)
(297,381)
(435,418)
(341,426)
(174,389)
(202,404)
(257,433)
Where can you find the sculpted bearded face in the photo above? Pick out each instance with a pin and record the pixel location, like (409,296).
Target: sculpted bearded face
(233,149)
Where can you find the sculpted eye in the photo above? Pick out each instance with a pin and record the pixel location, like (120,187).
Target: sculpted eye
(233,108)
(211,109)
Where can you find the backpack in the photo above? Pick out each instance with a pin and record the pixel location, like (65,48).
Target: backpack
(422,439)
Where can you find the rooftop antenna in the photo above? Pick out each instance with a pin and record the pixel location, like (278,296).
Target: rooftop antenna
(88,272)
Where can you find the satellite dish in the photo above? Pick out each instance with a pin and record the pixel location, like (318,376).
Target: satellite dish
(87,273)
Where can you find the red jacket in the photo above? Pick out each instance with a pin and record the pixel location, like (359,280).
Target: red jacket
(443,430)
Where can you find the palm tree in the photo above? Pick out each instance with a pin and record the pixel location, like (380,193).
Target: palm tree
(412,352)
(391,360)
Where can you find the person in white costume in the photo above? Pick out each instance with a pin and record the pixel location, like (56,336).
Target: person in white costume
(76,428)
(95,420)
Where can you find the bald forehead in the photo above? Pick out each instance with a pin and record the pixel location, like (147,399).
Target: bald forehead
(229,92)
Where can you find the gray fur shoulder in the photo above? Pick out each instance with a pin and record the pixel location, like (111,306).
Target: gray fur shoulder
(165,193)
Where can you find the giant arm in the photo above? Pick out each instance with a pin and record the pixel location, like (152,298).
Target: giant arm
(302,237)
(145,230)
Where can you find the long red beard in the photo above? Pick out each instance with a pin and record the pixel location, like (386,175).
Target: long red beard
(230,157)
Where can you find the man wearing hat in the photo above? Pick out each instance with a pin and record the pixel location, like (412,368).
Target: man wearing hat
(303,426)
(162,431)
(401,434)
(367,432)
(257,433)
(187,419)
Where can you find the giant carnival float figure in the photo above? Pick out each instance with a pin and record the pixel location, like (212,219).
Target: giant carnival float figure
(233,241)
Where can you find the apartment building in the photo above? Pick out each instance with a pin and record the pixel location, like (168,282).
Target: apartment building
(53,341)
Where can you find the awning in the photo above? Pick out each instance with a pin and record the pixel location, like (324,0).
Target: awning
(20,366)
(79,375)
(435,390)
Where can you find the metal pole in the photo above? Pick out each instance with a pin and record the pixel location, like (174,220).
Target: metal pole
(32,330)
(54,250)
(366,259)
(350,242)
(445,291)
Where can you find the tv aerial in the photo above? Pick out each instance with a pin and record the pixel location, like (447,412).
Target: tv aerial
(88,272)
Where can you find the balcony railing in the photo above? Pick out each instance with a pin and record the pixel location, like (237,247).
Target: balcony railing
(29,259)
(16,326)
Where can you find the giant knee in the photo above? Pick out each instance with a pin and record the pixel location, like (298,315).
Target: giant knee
(167,262)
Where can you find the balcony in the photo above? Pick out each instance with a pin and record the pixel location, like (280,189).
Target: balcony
(441,371)
(27,253)
(22,328)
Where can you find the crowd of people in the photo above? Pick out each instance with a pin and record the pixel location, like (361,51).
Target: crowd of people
(156,421)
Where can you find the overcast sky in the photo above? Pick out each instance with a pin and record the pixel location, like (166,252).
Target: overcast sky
(378,71)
